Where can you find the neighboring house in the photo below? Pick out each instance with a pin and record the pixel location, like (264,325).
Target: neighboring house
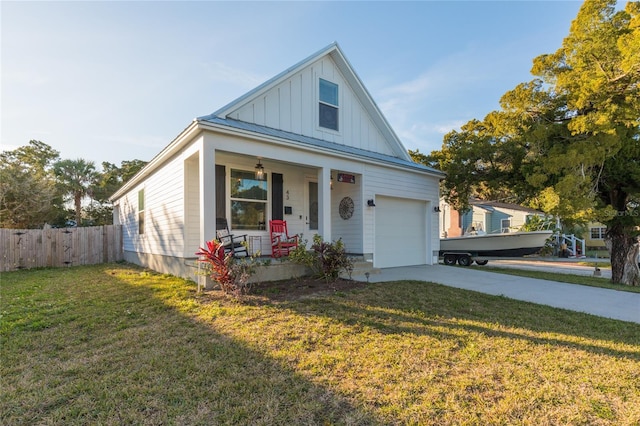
(309,146)
(484,216)
(594,238)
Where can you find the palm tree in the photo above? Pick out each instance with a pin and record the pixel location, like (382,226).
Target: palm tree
(76,178)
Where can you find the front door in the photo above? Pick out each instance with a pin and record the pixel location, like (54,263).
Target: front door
(311,209)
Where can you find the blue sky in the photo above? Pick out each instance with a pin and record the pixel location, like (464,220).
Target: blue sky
(114,81)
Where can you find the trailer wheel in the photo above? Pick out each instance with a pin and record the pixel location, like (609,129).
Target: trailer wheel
(450,259)
(465,260)
(482,262)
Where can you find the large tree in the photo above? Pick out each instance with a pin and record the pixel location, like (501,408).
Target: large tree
(34,182)
(28,194)
(77,179)
(568,141)
(112,177)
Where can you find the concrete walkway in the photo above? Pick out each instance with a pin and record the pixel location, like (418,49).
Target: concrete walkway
(620,305)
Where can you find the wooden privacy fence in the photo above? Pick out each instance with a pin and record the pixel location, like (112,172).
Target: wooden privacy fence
(34,248)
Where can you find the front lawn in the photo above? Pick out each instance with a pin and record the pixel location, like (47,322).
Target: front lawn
(114,344)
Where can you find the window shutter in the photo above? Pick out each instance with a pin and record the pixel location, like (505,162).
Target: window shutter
(277,196)
(221,202)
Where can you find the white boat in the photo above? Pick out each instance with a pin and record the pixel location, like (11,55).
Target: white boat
(510,244)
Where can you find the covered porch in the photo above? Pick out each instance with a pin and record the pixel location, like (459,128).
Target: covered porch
(247,190)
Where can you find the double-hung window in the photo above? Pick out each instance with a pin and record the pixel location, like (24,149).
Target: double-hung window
(141,211)
(328,105)
(248,200)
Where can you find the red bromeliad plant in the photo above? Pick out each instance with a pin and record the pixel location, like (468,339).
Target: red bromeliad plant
(219,264)
(231,275)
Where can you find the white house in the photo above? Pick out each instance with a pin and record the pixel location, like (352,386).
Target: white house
(329,164)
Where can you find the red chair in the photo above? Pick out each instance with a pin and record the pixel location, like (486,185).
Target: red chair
(281,242)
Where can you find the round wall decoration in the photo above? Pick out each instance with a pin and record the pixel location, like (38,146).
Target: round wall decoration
(346,208)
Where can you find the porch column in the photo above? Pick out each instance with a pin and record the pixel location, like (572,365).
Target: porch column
(207,189)
(324,201)
(207,200)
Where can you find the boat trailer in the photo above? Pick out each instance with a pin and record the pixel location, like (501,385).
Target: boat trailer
(463,258)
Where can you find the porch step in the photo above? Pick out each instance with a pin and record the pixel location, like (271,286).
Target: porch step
(361,268)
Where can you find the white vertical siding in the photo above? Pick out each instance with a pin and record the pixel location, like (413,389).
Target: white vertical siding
(284,103)
(292,106)
(273,108)
(295,104)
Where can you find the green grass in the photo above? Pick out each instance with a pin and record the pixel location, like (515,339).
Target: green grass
(113,344)
(564,278)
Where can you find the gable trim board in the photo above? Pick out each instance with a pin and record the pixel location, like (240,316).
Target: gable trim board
(180,182)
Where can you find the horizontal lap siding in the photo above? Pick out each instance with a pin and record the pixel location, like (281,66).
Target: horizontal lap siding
(349,230)
(518,218)
(165,205)
(164,213)
(128,219)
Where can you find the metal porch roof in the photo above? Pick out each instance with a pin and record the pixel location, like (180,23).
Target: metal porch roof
(317,143)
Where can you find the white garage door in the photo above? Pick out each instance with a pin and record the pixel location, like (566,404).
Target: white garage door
(401,232)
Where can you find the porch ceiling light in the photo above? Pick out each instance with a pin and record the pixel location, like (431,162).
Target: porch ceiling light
(259,170)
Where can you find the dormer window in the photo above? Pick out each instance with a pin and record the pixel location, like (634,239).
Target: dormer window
(328,105)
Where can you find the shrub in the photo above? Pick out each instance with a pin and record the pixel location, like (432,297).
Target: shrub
(325,259)
(230,273)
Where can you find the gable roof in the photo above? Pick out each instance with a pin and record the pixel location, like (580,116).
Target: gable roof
(219,120)
(347,71)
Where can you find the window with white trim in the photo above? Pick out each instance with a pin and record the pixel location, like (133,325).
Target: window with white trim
(141,211)
(328,105)
(248,200)
(505,225)
(598,233)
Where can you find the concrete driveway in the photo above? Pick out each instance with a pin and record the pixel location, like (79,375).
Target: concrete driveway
(620,305)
